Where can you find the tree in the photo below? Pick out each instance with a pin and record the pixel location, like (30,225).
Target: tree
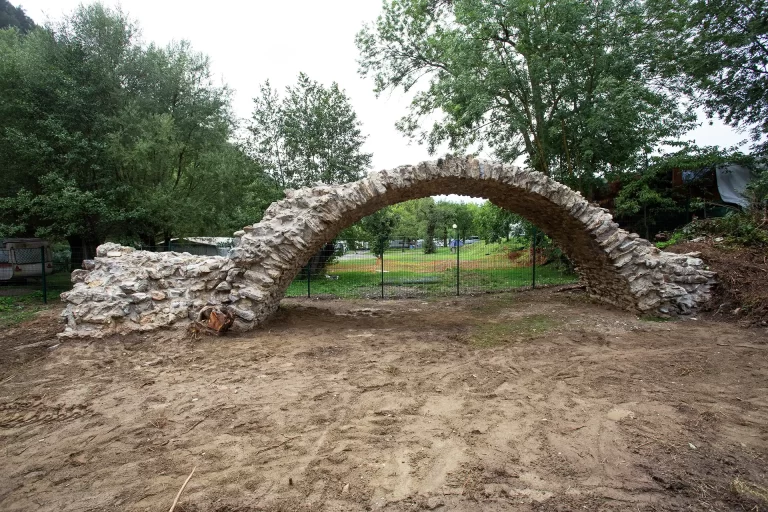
(717,53)
(431,220)
(14,17)
(420,218)
(564,83)
(378,228)
(410,218)
(463,215)
(310,135)
(493,222)
(58,88)
(169,136)
(444,211)
(101,136)
(644,197)
(649,201)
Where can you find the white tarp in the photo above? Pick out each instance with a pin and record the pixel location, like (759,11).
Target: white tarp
(732,181)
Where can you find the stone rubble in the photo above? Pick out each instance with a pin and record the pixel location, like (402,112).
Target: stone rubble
(125,290)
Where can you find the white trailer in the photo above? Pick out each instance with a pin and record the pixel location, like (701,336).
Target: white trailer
(21,258)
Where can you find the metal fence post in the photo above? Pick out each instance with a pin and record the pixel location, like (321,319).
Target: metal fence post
(458,248)
(42,267)
(382,274)
(535,236)
(309,279)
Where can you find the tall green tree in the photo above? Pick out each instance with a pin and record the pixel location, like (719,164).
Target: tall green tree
(168,138)
(14,17)
(564,83)
(493,223)
(717,53)
(59,90)
(420,218)
(310,135)
(104,137)
(378,229)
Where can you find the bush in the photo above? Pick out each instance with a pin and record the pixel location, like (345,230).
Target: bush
(737,228)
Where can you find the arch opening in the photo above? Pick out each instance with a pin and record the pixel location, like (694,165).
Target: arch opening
(559,225)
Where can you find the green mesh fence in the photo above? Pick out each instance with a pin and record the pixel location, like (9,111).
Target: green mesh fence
(349,269)
(30,275)
(469,266)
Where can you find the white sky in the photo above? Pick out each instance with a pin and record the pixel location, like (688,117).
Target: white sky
(249,42)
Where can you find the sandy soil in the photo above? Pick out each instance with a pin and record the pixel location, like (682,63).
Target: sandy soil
(526,401)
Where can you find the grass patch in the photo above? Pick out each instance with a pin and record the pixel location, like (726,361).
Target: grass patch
(410,272)
(753,491)
(21,301)
(15,310)
(367,283)
(491,335)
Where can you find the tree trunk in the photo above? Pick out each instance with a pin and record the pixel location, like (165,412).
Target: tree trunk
(81,248)
(148,242)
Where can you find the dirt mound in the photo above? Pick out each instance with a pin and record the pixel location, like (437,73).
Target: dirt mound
(743,273)
(524,257)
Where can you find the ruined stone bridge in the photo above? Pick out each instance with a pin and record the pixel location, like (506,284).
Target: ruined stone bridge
(128,290)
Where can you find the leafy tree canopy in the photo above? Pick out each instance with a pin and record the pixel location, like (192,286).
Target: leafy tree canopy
(103,136)
(717,53)
(564,83)
(310,135)
(14,17)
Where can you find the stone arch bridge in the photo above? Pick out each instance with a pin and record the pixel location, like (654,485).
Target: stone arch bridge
(126,290)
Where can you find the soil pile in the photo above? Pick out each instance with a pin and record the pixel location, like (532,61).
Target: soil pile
(743,274)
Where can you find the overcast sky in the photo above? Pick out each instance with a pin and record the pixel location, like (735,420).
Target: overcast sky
(249,42)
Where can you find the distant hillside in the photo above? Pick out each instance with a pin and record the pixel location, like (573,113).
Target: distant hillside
(11,16)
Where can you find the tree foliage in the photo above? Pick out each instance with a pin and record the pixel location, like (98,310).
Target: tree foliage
(649,201)
(378,228)
(717,53)
(102,136)
(14,17)
(310,135)
(495,223)
(564,83)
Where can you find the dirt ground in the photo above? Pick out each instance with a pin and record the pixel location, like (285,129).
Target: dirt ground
(525,401)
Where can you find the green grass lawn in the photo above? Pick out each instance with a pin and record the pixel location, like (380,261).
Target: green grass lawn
(362,284)
(409,272)
(20,308)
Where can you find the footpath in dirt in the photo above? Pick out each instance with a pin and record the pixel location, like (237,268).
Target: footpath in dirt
(525,401)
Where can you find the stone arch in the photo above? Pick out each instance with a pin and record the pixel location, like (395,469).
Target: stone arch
(618,267)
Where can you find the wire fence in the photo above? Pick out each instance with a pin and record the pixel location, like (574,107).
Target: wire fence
(405,269)
(354,269)
(32,274)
